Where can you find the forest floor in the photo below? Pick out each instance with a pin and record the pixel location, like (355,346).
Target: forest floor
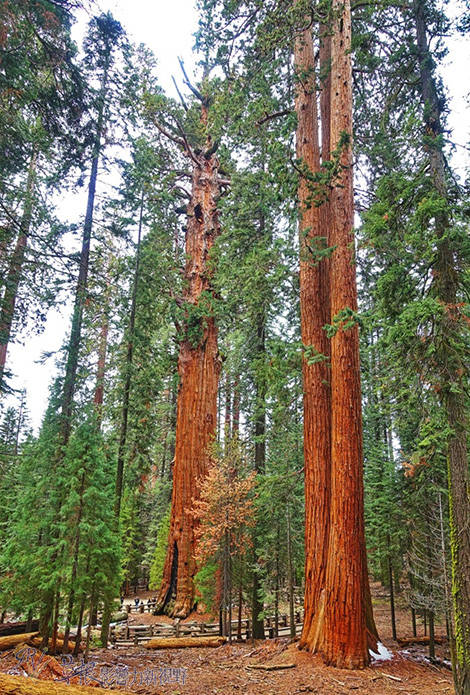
(227,670)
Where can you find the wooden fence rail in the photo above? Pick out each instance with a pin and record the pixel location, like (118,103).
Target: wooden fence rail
(126,635)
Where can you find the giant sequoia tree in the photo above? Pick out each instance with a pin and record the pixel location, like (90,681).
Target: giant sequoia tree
(198,367)
(337,598)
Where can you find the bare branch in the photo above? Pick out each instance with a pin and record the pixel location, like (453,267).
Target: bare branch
(187,146)
(167,134)
(271,116)
(183,103)
(187,82)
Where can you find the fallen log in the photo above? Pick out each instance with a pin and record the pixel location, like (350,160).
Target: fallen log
(19,685)
(11,641)
(406,641)
(184,642)
(18,628)
(270,667)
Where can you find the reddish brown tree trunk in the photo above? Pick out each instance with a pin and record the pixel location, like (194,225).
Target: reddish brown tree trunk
(338,610)
(198,369)
(314,311)
(344,639)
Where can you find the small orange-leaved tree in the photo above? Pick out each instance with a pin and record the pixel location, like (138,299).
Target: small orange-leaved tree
(225,511)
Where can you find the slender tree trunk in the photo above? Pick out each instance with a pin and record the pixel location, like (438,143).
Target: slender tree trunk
(229,587)
(198,369)
(240,608)
(88,631)
(102,349)
(277,585)
(228,410)
(413,610)
(15,271)
(128,371)
(392,595)
(445,574)
(29,621)
(290,575)
(78,638)
(432,643)
(73,576)
(80,299)
(260,459)
(452,391)
(236,406)
(55,622)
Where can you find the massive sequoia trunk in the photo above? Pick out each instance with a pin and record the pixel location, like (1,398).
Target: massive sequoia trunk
(314,311)
(344,640)
(338,615)
(198,369)
(450,358)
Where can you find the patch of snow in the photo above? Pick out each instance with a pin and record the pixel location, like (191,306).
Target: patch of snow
(383,654)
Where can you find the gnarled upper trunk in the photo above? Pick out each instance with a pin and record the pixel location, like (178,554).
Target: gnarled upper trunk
(198,369)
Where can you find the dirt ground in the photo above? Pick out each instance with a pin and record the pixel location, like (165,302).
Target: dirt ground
(228,670)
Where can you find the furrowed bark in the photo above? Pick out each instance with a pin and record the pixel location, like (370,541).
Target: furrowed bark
(198,369)
(344,639)
(314,314)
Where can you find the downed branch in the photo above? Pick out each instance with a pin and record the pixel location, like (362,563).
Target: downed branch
(270,667)
(19,685)
(392,678)
(183,642)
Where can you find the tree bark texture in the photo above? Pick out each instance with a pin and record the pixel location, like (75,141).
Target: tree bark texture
(314,313)
(198,370)
(338,611)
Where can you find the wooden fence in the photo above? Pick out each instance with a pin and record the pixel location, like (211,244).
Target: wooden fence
(127,635)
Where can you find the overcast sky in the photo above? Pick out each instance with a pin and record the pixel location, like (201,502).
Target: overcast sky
(167,27)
